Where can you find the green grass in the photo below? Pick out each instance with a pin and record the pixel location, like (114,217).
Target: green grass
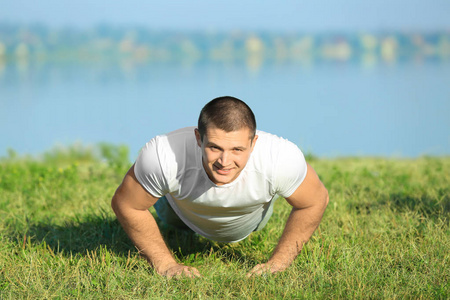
(385,234)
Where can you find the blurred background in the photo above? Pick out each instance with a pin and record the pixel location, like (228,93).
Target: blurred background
(338,78)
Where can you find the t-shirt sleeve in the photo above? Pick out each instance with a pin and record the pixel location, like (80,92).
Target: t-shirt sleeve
(290,169)
(149,172)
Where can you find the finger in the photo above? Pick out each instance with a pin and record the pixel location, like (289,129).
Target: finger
(252,271)
(173,272)
(191,272)
(276,269)
(182,271)
(258,270)
(196,272)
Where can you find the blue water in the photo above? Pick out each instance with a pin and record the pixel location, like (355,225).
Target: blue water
(326,109)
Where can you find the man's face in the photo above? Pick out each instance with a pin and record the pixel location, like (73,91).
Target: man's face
(225,154)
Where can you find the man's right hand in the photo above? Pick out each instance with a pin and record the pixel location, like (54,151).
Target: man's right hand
(131,203)
(179,270)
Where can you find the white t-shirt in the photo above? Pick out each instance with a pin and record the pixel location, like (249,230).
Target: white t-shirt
(171,165)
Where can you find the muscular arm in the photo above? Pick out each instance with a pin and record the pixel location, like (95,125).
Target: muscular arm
(308,205)
(131,203)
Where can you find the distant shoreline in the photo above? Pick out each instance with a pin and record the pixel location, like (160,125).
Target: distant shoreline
(39,43)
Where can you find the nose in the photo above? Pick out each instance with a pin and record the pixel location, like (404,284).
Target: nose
(224,159)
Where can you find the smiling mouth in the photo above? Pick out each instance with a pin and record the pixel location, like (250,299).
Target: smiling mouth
(222,171)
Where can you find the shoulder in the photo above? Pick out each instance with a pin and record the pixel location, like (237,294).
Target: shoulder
(176,138)
(162,158)
(163,151)
(275,147)
(172,142)
(281,160)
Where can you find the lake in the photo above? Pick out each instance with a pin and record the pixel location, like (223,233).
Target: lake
(327,109)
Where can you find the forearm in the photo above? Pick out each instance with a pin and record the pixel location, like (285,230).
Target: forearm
(142,229)
(300,226)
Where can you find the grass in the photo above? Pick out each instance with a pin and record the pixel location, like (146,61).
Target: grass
(385,234)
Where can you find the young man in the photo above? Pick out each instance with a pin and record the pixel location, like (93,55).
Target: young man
(220,180)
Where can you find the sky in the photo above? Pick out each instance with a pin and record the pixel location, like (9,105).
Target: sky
(287,15)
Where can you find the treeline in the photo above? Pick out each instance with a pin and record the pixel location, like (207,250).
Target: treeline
(107,43)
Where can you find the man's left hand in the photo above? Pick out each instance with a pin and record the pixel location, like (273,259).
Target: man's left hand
(269,267)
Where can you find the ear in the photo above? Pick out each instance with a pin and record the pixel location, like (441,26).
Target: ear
(198,137)
(254,141)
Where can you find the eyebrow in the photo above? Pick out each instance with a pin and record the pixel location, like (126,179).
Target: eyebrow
(209,144)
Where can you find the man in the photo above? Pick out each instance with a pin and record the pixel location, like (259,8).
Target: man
(220,180)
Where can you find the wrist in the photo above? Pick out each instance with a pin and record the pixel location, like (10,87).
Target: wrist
(280,262)
(162,265)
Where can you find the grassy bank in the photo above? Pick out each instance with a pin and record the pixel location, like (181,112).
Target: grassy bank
(385,234)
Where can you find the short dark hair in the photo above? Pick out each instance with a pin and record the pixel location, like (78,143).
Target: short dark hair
(228,114)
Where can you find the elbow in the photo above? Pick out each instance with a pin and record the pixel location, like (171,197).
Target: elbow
(115,203)
(326,198)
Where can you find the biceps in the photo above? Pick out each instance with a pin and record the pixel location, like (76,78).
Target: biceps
(131,194)
(310,193)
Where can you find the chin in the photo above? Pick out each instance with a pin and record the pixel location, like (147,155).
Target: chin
(220,179)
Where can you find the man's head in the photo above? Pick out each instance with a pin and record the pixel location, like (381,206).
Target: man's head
(226,135)
(226,113)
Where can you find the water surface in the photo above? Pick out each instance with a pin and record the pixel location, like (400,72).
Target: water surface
(328,109)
